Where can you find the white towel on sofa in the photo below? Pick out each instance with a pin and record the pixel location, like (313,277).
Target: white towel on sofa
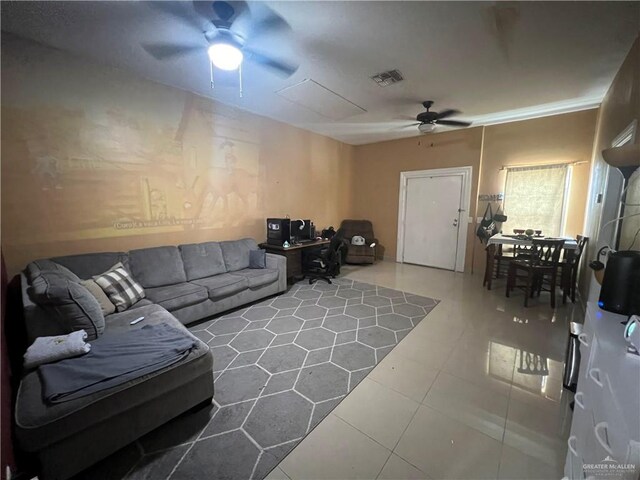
(52,349)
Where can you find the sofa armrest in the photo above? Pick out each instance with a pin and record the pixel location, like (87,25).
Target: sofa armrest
(278,262)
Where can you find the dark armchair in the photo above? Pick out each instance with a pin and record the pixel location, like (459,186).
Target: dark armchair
(359,253)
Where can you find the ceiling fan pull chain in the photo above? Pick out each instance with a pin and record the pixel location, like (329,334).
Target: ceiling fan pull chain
(240,78)
(211,73)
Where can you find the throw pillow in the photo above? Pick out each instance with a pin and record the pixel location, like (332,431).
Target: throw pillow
(94,289)
(257,258)
(357,240)
(120,287)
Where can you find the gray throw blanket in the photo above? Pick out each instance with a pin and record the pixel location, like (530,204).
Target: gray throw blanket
(52,349)
(113,360)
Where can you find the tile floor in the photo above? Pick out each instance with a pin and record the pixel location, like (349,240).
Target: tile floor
(474,391)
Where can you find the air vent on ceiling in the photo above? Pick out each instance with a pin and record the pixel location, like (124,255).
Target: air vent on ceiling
(388,78)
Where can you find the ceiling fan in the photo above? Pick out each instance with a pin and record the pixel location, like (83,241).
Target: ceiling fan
(229,30)
(427,121)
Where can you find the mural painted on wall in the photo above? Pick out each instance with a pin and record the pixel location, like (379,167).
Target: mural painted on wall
(112,171)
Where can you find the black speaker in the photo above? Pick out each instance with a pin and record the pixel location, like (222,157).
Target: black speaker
(620,292)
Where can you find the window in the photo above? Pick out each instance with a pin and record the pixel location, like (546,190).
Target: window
(535,197)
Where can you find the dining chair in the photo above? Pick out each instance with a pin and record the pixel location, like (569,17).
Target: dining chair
(570,267)
(498,258)
(496,263)
(544,262)
(522,251)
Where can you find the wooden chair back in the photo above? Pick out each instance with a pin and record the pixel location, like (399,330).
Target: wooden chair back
(582,245)
(523,251)
(547,252)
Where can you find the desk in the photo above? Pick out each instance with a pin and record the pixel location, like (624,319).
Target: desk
(293,255)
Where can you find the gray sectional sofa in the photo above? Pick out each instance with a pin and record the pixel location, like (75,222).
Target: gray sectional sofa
(182,285)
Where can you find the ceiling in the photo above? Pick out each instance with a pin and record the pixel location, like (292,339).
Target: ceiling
(495,61)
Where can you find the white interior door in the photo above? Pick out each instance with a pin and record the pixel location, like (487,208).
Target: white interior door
(432,220)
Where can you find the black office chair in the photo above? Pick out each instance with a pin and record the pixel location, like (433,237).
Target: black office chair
(324,263)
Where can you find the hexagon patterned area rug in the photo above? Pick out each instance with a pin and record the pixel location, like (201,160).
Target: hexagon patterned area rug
(280,366)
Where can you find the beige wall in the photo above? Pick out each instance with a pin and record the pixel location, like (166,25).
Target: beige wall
(377,175)
(95,159)
(560,138)
(620,107)
(555,139)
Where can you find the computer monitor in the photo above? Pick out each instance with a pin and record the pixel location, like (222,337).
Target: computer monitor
(301,230)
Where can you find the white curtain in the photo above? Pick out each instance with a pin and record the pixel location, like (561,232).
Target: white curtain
(534,198)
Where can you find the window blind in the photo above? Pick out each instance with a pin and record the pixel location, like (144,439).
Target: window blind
(534,197)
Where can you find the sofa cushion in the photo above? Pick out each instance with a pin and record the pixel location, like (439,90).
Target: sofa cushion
(157,267)
(106,305)
(236,253)
(120,287)
(257,258)
(202,260)
(173,297)
(87,265)
(35,268)
(361,251)
(40,424)
(258,277)
(68,303)
(359,254)
(142,303)
(223,285)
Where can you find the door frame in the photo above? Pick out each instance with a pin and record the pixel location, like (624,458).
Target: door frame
(463,220)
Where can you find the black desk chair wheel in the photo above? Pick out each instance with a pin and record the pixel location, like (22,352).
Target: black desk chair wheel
(324,263)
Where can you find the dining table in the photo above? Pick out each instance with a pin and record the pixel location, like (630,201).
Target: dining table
(499,240)
(506,239)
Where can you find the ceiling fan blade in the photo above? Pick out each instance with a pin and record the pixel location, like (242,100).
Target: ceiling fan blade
(447,113)
(278,66)
(177,11)
(411,125)
(406,117)
(223,10)
(220,12)
(269,21)
(242,23)
(257,21)
(453,123)
(166,51)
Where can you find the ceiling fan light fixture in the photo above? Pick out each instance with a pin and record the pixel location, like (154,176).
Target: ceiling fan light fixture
(426,127)
(225,56)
